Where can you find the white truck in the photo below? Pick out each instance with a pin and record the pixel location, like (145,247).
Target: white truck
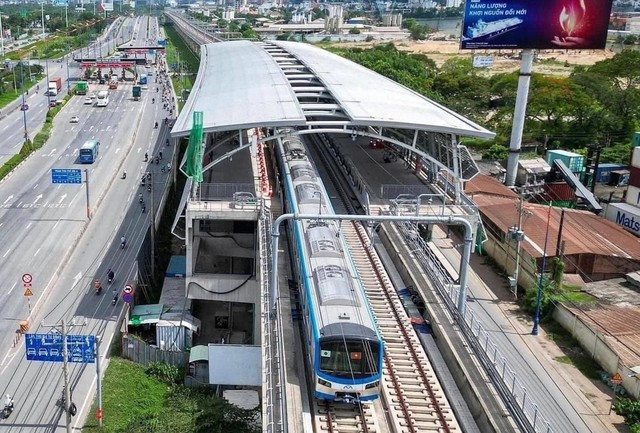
(54,87)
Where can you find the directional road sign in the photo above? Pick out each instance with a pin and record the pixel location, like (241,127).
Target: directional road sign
(66,175)
(48,347)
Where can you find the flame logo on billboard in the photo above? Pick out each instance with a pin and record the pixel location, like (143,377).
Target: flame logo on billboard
(571,16)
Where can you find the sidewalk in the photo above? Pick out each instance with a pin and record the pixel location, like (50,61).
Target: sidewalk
(593,397)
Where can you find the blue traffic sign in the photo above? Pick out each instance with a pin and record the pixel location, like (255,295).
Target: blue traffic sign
(48,347)
(66,175)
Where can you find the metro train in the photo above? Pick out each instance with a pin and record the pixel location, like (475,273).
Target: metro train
(344,346)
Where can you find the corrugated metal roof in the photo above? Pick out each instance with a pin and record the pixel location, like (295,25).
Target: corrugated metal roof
(373,99)
(240,85)
(582,231)
(620,326)
(487,185)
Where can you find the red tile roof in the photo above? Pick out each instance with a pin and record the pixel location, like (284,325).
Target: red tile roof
(582,231)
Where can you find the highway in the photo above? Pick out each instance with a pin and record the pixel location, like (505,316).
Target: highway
(68,71)
(44,231)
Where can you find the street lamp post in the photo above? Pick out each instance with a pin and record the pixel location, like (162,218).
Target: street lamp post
(1,37)
(536,318)
(42,11)
(68,77)
(24,112)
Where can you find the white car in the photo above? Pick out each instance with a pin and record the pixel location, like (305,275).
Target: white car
(75,119)
(93,96)
(88,101)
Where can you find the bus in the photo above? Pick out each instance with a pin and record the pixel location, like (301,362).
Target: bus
(89,151)
(103,98)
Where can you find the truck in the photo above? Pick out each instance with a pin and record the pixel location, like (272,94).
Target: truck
(137,91)
(81,88)
(54,86)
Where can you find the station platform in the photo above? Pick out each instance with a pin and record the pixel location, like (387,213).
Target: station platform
(376,173)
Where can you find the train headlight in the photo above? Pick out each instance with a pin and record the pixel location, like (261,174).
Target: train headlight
(372,385)
(324,383)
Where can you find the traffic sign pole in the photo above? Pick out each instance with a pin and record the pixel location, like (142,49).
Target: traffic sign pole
(99,381)
(86,176)
(65,373)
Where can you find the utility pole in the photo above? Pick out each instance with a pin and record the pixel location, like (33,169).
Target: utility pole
(517,234)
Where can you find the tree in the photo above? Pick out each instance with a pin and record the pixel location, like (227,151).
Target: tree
(354,31)
(465,89)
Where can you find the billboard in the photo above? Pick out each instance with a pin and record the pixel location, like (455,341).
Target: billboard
(552,24)
(107,5)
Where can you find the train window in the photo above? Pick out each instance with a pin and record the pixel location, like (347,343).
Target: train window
(349,358)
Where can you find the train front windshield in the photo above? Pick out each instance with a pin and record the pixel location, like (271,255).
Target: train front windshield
(349,358)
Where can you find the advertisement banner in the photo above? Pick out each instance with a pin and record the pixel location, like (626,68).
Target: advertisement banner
(552,24)
(107,5)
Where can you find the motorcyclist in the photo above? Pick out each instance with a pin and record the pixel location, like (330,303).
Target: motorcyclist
(153,101)
(98,286)
(110,275)
(155,126)
(123,241)
(8,402)
(140,197)
(146,157)
(124,174)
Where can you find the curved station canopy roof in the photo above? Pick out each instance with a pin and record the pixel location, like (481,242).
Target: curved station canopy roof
(243,84)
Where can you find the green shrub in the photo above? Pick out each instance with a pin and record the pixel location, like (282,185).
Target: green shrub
(164,372)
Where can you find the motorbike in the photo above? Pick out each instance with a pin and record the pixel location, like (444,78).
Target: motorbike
(142,181)
(144,208)
(146,157)
(98,289)
(124,174)
(123,244)
(155,126)
(149,187)
(140,198)
(7,410)
(114,301)
(110,277)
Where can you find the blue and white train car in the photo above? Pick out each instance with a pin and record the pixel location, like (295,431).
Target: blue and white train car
(343,343)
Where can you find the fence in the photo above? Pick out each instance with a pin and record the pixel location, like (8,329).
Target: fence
(140,352)
(598,348)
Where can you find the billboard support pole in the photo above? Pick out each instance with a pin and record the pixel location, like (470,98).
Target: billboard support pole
(526,66)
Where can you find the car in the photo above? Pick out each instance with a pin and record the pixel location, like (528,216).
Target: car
(75,119)
(24,107)
(92,96)
(88,101)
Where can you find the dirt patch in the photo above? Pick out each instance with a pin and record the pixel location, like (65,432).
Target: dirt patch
(555,62)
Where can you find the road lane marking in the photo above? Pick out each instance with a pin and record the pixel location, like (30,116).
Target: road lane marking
(36,253)
(8,198)
(30,224)
(12,287)
(35,186)
(5,254)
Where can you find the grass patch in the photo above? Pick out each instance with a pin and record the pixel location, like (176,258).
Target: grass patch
(573,353)
(137,399)
(128,393)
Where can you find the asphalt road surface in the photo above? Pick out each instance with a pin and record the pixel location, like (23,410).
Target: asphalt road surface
(44,231)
